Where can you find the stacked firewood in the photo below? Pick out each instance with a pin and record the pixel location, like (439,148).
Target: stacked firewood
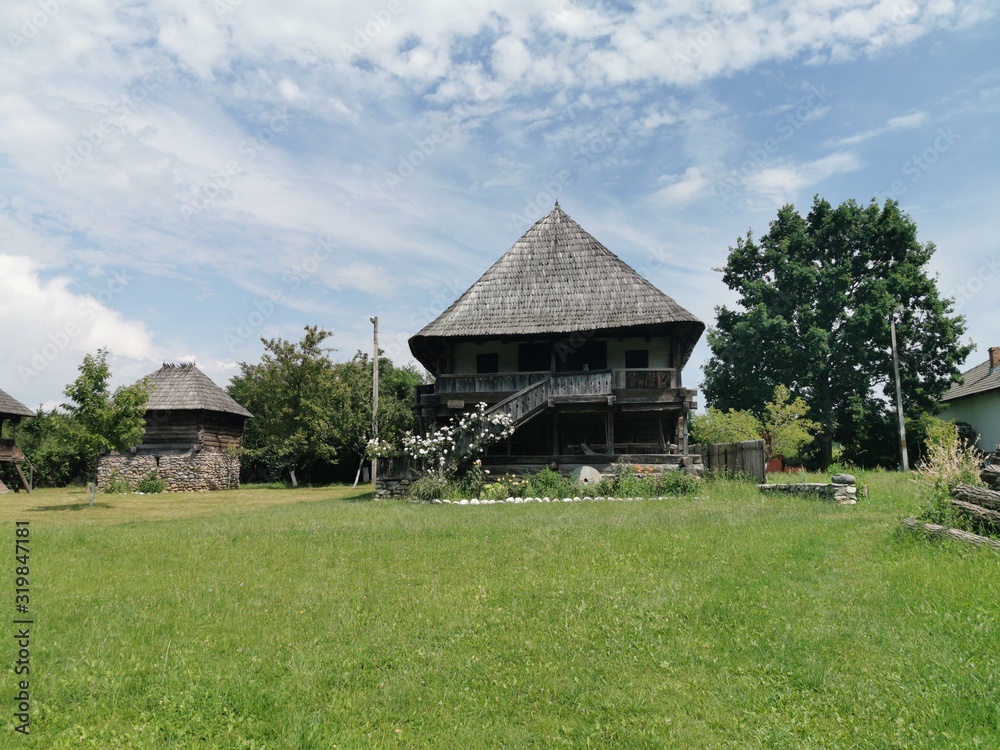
(977,503)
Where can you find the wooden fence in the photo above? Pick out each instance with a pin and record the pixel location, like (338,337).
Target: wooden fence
(746,457)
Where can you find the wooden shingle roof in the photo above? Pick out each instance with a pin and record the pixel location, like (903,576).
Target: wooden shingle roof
(184,386)
(556,279)
(11,408)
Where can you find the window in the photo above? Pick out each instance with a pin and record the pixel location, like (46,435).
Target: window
(587,355)
(487,364)
(533,358)
(636,359)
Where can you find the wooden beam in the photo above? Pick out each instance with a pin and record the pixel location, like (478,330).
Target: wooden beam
(935,530)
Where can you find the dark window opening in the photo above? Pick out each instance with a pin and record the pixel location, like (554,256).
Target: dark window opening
(533,358)
(637,359)
(487,364)
(587,355)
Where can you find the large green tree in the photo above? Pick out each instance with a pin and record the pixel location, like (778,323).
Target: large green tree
(815,296)
(98,420)
(312,416)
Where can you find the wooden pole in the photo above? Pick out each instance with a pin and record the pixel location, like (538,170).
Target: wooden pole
(374,321)
(905,463)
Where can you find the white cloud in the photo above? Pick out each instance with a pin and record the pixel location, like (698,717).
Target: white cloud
(902,122)
(683,188)
(782,183)
(56,327)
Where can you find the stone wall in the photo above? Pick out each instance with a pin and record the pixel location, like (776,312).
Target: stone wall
(842,489)
(183,472)
(391,487)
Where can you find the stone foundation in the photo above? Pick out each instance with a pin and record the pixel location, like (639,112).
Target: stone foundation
(841,490)
(392,487)
(182,472)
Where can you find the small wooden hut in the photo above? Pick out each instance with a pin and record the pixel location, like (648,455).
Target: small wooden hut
(580,350)
(194,430)
(13,411)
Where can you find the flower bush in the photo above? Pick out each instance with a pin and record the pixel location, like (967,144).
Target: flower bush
(950,460)
(442,452)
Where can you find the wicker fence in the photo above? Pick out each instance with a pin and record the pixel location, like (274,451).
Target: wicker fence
(746,457)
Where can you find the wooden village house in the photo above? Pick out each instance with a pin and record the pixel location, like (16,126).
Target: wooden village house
(581,351)
(12,411)
(193,434)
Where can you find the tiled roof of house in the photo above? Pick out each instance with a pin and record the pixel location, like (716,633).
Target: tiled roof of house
(184,386)
(556,279)
(977,380)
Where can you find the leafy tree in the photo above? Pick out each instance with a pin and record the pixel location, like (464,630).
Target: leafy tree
(783,426)
(313,416)
(717,426)
(97,420)
(290,393)
(785,429)
(815,296)
(50,445)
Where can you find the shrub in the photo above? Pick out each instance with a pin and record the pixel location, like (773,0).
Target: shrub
(550,483)
(150,485)
(950,460)
(431,488)
(505,486)
(676,483)
(117,485)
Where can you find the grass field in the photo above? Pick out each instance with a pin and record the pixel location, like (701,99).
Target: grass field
(313,618)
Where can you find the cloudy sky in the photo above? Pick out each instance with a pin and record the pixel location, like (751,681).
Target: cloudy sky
(182,177)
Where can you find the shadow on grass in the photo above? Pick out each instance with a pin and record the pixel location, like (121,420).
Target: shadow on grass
(71,506)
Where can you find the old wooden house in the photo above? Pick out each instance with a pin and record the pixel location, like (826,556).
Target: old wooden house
(584,354)
(12,411)
(194,430)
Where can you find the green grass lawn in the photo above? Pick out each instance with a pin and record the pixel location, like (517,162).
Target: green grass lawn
(312,618)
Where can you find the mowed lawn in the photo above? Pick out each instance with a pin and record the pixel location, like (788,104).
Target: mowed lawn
(317,618)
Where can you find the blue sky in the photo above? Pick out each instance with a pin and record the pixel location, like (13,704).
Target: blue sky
(180,178)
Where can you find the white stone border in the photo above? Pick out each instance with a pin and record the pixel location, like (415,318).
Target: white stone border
(521,500)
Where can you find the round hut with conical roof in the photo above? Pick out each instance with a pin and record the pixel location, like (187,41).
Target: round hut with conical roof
(583,352)
(194,431)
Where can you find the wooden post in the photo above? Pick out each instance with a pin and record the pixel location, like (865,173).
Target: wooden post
(904,459)
(374,321)
(609,432)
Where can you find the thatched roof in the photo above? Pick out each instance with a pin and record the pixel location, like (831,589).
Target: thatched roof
(11,408)
(556,279)
(184,386)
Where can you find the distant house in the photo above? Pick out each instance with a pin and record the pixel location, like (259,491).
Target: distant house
(582,352)
(976,400)
(12,410)
(193,433)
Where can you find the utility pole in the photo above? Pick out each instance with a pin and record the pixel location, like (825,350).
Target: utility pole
(375,395)
(905,465)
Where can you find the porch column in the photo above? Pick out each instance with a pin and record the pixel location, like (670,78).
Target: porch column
(609,432)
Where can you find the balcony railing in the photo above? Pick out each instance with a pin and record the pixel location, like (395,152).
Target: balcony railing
(565,382)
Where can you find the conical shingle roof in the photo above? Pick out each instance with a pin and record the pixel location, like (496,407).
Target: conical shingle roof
(11,408)
(556,279)
(184,386)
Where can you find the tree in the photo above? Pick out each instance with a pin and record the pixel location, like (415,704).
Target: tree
(313,416)
(815,296)
(99,421)
(783,426)
(290,393)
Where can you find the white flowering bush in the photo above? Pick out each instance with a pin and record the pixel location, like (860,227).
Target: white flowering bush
(443,451)
(381,449)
